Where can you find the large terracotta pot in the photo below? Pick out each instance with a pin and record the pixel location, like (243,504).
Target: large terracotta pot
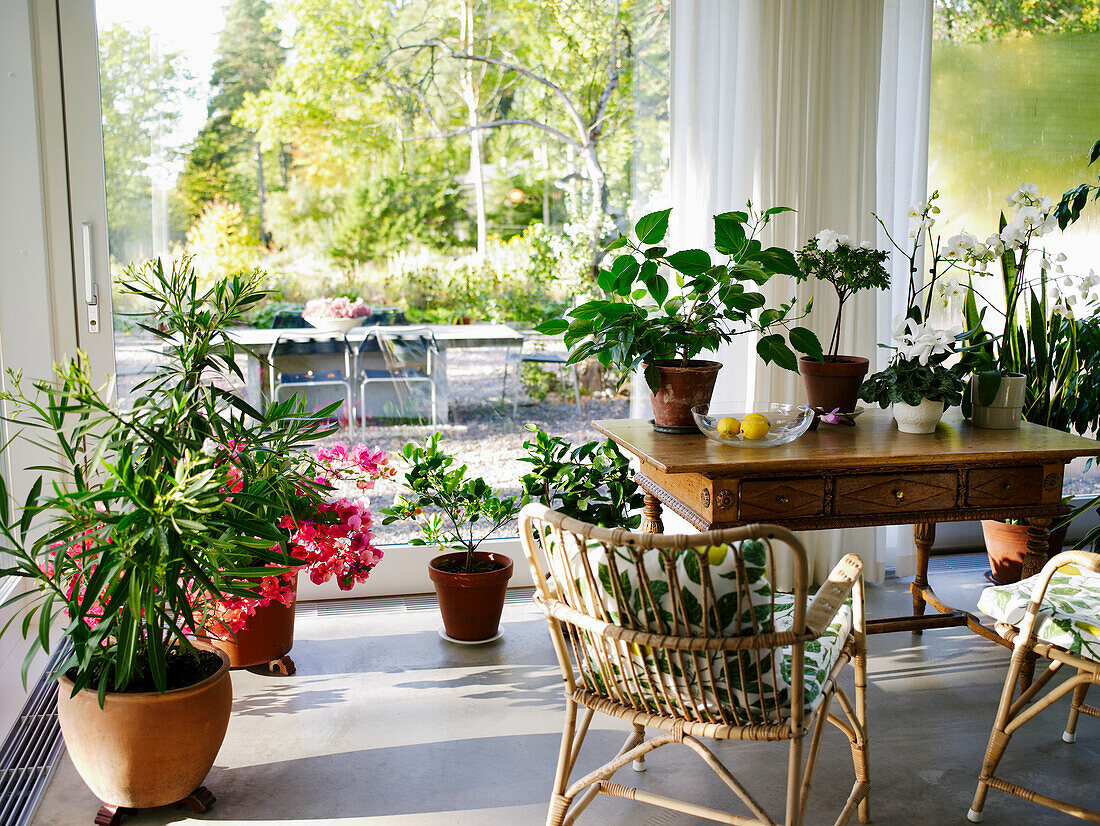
(146,749)
(471,604)
(833,385)
(1006,410)
(1006,546)
(683,386)
(268,635)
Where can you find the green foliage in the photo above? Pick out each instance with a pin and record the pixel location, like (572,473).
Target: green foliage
(1074,200)
(980,20)
(642,322)
(592,482)
(219,244)
(848,269)
(147,513)
(451,509)
(909,381)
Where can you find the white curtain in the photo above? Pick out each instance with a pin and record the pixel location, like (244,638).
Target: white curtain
(820,105)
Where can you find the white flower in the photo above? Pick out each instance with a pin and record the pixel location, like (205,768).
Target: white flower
(915,211)
(1062,307)
(827,240)
(924,341)
(1090,281)
(844,240)
(950,288)
(903,328)
(210,447)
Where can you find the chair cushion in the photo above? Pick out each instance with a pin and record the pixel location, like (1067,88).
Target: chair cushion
(1069,615)
(760,676)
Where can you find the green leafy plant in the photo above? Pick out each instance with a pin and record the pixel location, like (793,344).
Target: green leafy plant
(139,521)
(644,320)
(1069,206)
(592,482)
(910,382)
(832,258)
(451,509)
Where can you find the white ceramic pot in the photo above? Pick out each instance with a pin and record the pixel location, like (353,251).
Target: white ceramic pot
(1008,405)
(920,418)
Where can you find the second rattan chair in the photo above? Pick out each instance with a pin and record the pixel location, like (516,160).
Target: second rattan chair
(683,634)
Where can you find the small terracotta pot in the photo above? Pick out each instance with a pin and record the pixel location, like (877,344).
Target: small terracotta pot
(683,386)
(268,635)
(832,385)
(1006,410)
(1006,546)
(471,604)
(146,749)
(918,418)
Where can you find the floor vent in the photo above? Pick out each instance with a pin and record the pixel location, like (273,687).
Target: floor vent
(30,752)
(958,562)
(389,605)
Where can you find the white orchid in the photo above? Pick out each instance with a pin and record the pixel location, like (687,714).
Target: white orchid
(922,341)
(949,288)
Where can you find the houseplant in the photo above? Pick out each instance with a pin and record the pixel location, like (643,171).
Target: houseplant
(133,530)
(337,313)
(640,321)
(458,513)
(833,381)
(332,541)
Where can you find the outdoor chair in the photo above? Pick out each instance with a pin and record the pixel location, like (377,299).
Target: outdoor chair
(533,350)
(1055,615)
(305,347)
(409,359)
(684,634)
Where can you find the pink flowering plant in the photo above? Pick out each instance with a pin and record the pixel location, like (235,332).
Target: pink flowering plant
(336,307)
(331,538)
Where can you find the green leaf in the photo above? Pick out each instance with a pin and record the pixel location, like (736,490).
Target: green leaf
(778,260)
(553,327)
(653,378)
(806,342)
(690,262)
(652,228)
(729,232)
(773,349)
(747,302)
(618,243)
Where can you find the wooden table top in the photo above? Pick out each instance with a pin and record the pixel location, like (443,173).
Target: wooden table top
(874,442)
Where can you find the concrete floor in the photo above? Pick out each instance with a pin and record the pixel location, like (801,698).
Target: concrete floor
(385,723)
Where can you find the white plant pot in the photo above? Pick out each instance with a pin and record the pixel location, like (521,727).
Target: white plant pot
(334,325)
(1006,411)
(920,418)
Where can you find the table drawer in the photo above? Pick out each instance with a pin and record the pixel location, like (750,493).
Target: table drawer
(993,487)
(771,498)
(870,493)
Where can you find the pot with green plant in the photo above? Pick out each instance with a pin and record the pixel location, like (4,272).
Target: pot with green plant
(139,530)
(833,381)
(643,322)
(456,512)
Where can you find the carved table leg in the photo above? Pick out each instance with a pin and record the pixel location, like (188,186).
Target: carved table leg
(924,536)
(651,516)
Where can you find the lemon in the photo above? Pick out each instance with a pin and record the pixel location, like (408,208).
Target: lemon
(757,417)
(717,553)
(728,426)
(755,428)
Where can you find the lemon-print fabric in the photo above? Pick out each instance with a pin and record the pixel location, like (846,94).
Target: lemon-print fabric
(743,678)
(1069,615)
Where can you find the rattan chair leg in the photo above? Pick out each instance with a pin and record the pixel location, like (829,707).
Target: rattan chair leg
(811,761)
(639,764)
(794,787)
(1070,734)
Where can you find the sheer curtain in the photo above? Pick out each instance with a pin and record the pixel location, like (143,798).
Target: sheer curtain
(820,105)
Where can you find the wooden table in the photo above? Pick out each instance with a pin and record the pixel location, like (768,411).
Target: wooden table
(870,474)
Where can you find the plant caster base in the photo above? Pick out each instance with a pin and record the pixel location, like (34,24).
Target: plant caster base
(199,800)
(284,665)
(497,636)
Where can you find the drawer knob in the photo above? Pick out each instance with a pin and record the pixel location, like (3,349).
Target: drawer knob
(782,500)
(1008,486)
(899,494)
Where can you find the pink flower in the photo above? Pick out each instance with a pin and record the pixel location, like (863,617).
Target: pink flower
(337,307)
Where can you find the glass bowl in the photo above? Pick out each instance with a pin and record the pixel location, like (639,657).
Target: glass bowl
(788,422)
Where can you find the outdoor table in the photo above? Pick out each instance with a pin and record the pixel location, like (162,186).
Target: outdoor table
(867,475)
(447,336)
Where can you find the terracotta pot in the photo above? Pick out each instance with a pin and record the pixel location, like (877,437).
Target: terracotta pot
(1007,408)
(683,386)
(1006,546)
(268,635)
(471,604)
(146,749)
(832,385)
(918,418)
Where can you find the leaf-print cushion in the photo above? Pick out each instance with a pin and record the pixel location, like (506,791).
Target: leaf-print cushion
(1069,615)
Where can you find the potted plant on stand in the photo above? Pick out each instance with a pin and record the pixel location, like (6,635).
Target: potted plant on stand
(457,513)
(644,323)
(833,381)
(137,529)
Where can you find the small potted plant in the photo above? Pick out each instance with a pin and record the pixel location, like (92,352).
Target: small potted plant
(329,539)
(457,513)
(139,530)
(643,322)
(833,382)
(337,314)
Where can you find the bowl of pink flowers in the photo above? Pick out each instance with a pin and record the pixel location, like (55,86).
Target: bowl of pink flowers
(336,314)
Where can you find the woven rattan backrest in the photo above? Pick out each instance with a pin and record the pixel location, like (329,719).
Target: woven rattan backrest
(647,621)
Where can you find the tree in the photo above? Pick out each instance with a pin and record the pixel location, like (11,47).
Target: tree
(140,91)
(1001,19)
(226,162)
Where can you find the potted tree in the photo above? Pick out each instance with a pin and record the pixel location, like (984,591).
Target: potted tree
(833,382)
(457,514)
(138,530)
(641,321)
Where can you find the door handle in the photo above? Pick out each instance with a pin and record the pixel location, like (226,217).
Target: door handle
(91,290)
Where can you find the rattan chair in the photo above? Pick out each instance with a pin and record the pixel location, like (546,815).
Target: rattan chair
(1054,615)
(682,634)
